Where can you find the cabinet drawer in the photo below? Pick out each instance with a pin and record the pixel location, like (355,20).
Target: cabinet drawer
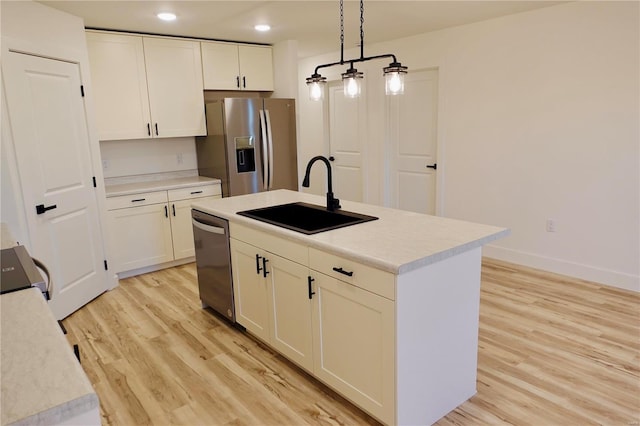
(280,246)
(374,280)
(135,200)
(194,192)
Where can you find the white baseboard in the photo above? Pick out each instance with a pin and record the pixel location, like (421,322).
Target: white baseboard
(559,266)
(153,268)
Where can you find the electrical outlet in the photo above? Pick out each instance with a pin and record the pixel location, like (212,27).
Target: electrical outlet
(105,164)
(551,225)
(179,158)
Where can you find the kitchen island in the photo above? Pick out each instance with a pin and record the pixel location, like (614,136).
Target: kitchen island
(384,312)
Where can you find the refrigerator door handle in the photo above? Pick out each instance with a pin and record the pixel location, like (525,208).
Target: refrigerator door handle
(270,144)
(265,154)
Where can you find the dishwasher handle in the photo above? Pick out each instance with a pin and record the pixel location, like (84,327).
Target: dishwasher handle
(207,228)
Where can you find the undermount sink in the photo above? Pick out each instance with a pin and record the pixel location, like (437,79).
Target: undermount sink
(306,218)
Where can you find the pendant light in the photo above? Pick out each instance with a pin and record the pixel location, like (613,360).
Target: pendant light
(352,78)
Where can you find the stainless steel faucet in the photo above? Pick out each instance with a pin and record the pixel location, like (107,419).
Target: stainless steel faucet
(332,203)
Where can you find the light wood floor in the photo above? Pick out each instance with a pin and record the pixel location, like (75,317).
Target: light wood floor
(553,351)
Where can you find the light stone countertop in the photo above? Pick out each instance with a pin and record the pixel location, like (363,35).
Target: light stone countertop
(398,242)
(42,381)
(158,185)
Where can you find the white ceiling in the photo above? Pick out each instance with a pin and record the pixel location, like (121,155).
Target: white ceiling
(315,24)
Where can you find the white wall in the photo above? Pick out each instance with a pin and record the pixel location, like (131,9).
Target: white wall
(539,118)
(285,69)
(148,156)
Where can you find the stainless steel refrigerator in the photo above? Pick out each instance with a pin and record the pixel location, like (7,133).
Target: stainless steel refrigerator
(250,145)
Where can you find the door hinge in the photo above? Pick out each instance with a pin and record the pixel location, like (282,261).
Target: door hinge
(94,182)
(106,268)
(82,90)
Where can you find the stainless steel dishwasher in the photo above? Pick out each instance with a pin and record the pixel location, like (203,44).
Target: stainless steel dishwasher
(213,261)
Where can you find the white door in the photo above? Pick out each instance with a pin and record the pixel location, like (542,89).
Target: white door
(412,145)
(54,165)
(345,130)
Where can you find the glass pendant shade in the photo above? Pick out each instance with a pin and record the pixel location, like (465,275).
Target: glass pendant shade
(352,82)
(394,78)
(316,85)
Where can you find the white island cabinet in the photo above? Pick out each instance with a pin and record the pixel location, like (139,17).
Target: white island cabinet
(384,312)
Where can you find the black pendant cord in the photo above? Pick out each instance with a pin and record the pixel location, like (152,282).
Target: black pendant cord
(362,58)
(341,33)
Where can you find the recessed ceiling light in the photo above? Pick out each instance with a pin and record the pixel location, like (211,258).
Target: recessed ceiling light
(167,16)
(262,27)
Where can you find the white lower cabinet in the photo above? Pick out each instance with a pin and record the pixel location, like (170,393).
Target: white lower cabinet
(338,330)
(155,227)
(250,289)
(141,236)
(291,304)
(354,342)
(272,301)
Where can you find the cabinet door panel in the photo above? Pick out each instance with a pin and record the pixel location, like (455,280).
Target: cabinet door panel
(181,228)
(220,66)
(290,310)
(120,86)
(174,78)
(354,345)
(250,290)
(141,236)
(256,67)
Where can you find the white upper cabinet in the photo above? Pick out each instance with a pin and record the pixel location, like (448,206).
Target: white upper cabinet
(120,86)
(174,79)
(228,66)
(146,86)
(256,67)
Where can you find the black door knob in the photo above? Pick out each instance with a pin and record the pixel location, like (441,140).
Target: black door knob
(332,158)
(433,166)
(40,208)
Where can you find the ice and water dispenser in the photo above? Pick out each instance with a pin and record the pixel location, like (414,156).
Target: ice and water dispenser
(245,154)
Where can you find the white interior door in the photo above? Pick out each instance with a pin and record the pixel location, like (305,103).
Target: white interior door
(412,148)
(54,165)
(345,130)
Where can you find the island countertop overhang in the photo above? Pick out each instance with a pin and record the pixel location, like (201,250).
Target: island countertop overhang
(398,242)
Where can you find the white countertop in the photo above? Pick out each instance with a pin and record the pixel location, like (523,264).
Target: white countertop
(42,381)
(398,242)
(158,185)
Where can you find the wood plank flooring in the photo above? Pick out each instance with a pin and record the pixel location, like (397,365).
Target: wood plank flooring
(552,351)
